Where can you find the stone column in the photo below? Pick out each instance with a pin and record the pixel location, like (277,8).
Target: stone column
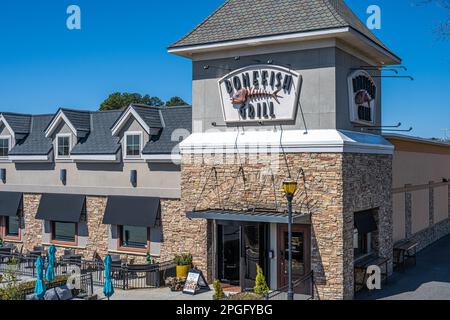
(408,213)
(33,228)
(431,202)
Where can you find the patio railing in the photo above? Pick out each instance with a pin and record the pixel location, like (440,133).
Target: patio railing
(125,277)
(303,288)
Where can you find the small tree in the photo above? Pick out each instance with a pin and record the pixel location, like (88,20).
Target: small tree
(176,101)
(261,286)
(218,291)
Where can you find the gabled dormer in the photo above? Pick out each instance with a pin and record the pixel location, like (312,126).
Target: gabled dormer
(13,129)
(135,128)
(67,128)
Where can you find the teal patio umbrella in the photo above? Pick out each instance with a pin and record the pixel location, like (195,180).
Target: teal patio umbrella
(108,289)
(50,272)
(39,288)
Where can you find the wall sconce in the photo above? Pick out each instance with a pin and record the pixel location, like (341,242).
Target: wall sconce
(3,175)
(133,178)
(63,176)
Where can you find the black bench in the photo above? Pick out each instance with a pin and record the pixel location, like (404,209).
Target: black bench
(403,252)
(363,264)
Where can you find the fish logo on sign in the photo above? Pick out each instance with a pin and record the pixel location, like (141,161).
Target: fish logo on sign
(260,93)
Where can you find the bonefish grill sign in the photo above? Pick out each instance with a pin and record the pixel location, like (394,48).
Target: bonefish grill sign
(260,93)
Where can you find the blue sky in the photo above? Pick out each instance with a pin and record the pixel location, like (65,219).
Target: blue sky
(122,47)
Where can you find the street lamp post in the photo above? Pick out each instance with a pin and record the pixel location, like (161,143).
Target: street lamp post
(290,187)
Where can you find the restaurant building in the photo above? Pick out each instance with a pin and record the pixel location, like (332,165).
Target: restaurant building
(97,182)
(281,89)
(292,89)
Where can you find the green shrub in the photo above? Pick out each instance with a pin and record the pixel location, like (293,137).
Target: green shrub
(218,290)
(249,296)
(184,259)
(14,291)
(261,286)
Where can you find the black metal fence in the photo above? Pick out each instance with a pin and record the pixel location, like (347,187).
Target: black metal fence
(125,277)
(303,289)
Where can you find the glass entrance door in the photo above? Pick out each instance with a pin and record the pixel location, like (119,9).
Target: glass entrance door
(301,264)
(252,253)
(228,253)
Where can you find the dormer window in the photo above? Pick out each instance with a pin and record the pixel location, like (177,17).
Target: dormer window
(5,145)
(63,146)
(133,144)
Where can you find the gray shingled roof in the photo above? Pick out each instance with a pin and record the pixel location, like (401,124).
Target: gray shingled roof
(35,143)
(244,19)
(20,123)
(150,115)
(174,118)
(81,120)
(100,140)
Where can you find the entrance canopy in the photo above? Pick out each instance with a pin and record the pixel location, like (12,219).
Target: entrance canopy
(249,216)
(61,207)
(132,211)
(9,203)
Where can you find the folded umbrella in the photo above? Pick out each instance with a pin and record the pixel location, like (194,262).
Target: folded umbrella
(50,272)
(108,289)
(39,288)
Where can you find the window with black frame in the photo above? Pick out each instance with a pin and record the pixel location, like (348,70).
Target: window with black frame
(4,147)
(64,232)
(12,226)
(133,145)
(63,146)
(133,237)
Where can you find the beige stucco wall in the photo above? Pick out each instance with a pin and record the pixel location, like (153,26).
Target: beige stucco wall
(419,168)
(420,210)
(441,204)
(416,165)
(399,216)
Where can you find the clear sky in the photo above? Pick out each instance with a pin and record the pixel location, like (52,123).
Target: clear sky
(122,47)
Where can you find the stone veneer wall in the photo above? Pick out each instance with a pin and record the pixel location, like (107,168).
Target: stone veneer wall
(97,231)
(322,194)
(177,231)
(32,234)
(367,185)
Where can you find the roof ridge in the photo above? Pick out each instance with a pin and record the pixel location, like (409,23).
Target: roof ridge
(201,23)
(17,114)
(333,10)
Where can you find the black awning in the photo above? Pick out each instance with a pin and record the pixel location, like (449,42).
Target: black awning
(365,222)
(10,203)
(61,207)
(250,216)
(132,211)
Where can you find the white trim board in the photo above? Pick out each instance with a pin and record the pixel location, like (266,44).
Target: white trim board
(289,141)
(3,120)
(37,158)
(54,124)
(125,117)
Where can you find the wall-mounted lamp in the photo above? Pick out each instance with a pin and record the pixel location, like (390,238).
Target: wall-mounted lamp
(3,175)
(133,178)
(63,176)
